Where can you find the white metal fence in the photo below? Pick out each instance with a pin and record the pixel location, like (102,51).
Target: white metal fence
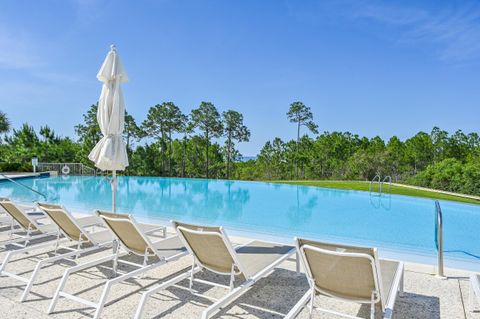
(67,168)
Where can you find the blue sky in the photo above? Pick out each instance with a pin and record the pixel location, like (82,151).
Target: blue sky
(369,67)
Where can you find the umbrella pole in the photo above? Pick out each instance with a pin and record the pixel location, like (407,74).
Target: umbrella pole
(114,191)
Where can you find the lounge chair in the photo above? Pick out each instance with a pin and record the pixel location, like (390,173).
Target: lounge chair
(474,290)
(30,227)
(348,273)
(6,219)
(133,240)
(211,249)
(72,231)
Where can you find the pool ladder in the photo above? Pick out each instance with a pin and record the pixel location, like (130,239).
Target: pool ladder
(439,239)
(378,179)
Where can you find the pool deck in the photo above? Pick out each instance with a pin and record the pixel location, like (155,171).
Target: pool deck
(425,295)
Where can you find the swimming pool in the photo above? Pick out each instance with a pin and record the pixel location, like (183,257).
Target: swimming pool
(395,224)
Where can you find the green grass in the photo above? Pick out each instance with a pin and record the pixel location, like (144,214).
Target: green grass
(364,186)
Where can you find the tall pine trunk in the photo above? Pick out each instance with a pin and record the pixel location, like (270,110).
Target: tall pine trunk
(229,155)
(162,148)
(208,142)
(170,153)
(296,150)
(184,155)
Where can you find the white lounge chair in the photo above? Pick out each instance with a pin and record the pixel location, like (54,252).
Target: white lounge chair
(348,273)
(211,249)
(30,227)
(474,291)
(72,231)
(133,239)
(6,219)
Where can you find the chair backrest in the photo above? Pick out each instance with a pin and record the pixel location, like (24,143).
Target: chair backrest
(210,247)
(342,271)
(65,221)
(22,219)
(127,231)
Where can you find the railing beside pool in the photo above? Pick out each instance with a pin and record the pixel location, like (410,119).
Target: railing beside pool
(378,179)
(386,179)
(439,238)
(24,186)
(67,168)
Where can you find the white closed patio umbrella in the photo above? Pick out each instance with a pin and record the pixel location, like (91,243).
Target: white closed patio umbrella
(110,153)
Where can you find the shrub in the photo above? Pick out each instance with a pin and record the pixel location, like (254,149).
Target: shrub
(15,167)
(451,175)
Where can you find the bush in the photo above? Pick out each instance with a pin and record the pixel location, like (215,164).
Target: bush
(451,175)
(16,167)
(471,178)
(10,167)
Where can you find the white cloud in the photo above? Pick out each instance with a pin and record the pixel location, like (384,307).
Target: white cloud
(454,29)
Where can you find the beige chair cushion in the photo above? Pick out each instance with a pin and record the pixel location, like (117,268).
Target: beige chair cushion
(258,255)
(169,247)
(341,276)
(209,249)
(18,215)
(125,231)
(101,237)
(64,221)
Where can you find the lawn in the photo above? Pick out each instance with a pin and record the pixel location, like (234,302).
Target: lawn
(364,186)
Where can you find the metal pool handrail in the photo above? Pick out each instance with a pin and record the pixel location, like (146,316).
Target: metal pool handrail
(439,238)
(379,183)
(27,187)
(386,178)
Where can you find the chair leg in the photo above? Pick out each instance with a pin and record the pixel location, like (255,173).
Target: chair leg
(160,287)
(56,244)
(471,298)
(299,306)
(372,306)
(297,262)
(401,286)
(232,277)
(312,302)
(141,304)
(30,282)
(40,265)
(190,284)
(6,260)
(227,299)
(72,270)
(12,225)
(116,249)
(60,287)
(103,299)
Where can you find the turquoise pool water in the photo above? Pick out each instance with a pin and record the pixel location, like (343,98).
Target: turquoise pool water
(394,223)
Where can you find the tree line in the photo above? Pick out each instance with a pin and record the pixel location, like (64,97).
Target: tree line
(192,155)
(203,144)
(195,154)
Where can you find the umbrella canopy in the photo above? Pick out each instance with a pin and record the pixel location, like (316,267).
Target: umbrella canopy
(110,153)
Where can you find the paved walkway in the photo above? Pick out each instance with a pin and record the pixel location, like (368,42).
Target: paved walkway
(437,191)
(425,296)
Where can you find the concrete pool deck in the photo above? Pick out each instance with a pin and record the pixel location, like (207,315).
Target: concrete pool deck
(425,295)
